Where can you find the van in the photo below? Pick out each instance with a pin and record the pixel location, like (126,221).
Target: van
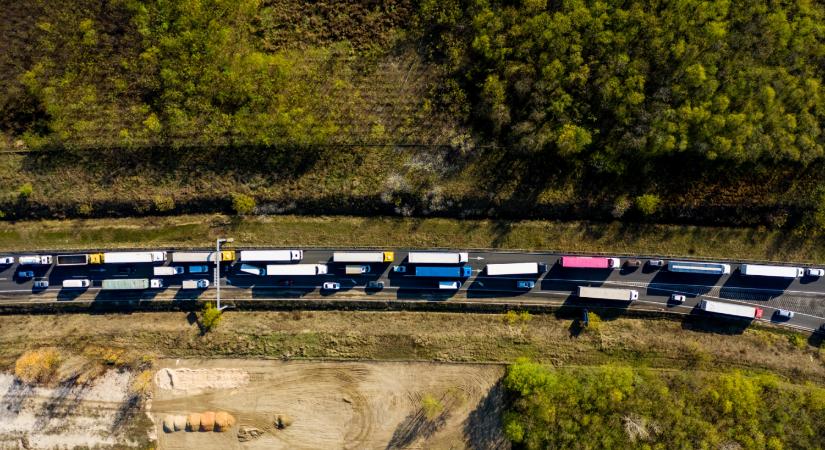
(76,284)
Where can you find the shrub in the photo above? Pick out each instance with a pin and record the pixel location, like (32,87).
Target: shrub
(210,318)
(37,366)
(163,203)
(620,206)
(648,204)
(141,385)
(514,317)
(594,322)
(431,406)
(243,204)
(25,191)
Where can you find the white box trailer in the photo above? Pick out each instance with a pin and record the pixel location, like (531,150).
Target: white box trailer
(33,260)
(160,271)
(271,255)
(195,284)
(356,257)
(133,257)
(201,257)
(356,270)
(296,269)
(608,293)
(730,309)
(772,271)
(530,268)
(437,257)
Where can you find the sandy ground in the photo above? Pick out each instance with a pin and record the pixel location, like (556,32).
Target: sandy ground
(334,404)
(67,416)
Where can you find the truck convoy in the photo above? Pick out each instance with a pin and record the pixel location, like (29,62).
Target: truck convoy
(589,262)
(702,268)
(730,309)
(131,284)
(530,268)
(437,257)
(356,257)
(271,255)
(201,257)
(771,271)
(608,293)
(295,269)
(131,257)
(444,272)
(34,260)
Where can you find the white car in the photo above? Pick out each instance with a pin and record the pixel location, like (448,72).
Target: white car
(815,272)
(41,284)
(5,260)
(331,286)
(25,274)
(678,298)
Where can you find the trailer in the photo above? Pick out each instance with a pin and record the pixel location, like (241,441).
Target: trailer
(589,262)
(35,260)
(73,260)
(730,309)
(438,257)
(201,257)
(296,269)
(530,268)
(133,257)
(452,285)
(195,284)
(701,268)
(771,271)
(356,257)
(271,255)
(356,270)
(161,271)
(444,272)
(131,284)
(625,295)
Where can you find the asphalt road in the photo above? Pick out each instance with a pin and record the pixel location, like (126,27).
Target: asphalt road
(805,296)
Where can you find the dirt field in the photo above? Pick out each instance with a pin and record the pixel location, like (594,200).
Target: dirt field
(333,404)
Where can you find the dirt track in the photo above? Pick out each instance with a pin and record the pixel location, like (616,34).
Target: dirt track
(341,405)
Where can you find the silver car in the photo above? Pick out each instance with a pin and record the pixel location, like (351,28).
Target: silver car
(784,314)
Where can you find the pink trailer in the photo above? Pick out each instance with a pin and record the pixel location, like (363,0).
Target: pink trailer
(589,262)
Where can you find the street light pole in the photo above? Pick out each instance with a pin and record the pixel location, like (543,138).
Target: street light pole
(218,243)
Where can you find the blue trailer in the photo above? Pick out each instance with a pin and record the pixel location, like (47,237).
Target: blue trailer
(444,272)
(702,268)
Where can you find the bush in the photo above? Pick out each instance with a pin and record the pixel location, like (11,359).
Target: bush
(163,203)
(648,204)
(25,191)
(514,317)
(594,322)
(243,204)
(210,318)
(37,366)
(620,206)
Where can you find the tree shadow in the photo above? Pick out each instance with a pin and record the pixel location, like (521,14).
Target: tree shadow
(13,398)
(483,427)
(416,426)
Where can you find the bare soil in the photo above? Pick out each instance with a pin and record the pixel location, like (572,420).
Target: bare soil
(338,405)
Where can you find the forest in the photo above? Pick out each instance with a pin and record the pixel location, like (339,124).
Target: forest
(622,407)
(697,111)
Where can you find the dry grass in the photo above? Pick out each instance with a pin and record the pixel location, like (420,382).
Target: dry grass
(37,366)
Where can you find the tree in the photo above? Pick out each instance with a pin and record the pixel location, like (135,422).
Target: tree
(210,317)
(648,204)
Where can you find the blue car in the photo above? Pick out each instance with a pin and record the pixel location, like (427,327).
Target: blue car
(525,284)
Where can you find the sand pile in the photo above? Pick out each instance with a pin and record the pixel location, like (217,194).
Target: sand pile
(199,379)
(220,421)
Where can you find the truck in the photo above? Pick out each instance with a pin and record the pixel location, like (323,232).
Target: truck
(355,257)
(624,295)
(444,272)
(530,268)
(195,284)
(80,259)
(589,262)
(133,257)
(730,309)
(702,268)
(772,271)
(271,255)
(131,284)
(449,285)
(438,257)
(357,270)
(201,257)
(161,271)
(34,260)
(296,269)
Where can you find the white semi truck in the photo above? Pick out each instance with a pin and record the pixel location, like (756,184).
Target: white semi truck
(35,260)
(271,255)
(131,284)
(438,257)
(295,269)
(201,257)
(608,293)
(195,284)
(730,309)
(133,257)
(530,268)
(161,271)
(772,271)
(356,257)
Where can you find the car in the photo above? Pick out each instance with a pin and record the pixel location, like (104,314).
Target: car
(399,269)
(815,272)
(375,284)
(656,263)
(678,298)
(633,263)
(25,274)
(198,269)
(6,260)
(331,286)
(783,314)
(41,284)
(525,284)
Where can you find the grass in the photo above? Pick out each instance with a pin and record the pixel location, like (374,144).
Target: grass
(346,231)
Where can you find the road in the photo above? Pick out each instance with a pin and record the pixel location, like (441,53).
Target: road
(805,296)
